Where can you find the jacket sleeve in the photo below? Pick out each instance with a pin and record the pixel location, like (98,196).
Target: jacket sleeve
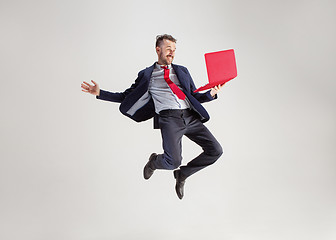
(118,97)
(201,97)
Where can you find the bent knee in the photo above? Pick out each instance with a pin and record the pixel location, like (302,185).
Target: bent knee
(219,151)
(173,162)
(216,151)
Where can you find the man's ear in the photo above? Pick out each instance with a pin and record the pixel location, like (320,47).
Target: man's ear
(157,49)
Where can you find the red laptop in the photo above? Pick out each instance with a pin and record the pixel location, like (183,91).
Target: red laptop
(221,68)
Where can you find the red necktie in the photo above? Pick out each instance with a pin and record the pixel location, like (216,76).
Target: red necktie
(172,85)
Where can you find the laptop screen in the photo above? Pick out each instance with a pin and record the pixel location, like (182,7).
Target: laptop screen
(221,66)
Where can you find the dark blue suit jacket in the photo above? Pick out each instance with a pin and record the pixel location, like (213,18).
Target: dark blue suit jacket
(137,103)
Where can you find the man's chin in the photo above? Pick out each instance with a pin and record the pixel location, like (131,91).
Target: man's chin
(169,61)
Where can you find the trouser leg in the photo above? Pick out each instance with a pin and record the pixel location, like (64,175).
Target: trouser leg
(172,130)
(212,150)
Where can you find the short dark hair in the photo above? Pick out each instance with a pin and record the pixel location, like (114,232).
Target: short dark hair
(160,38)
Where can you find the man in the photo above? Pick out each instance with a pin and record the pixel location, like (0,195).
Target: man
(165,91)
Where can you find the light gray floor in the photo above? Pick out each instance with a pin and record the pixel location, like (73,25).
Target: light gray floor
(71,166)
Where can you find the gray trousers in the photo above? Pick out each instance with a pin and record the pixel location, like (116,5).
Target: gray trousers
(174,124)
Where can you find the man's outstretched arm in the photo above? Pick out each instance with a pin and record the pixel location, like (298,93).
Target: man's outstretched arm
(102,94)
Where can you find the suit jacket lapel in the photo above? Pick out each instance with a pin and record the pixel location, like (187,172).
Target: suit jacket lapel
(148,72)
(182,77)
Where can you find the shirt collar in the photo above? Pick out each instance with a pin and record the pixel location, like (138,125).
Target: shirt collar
(158,66)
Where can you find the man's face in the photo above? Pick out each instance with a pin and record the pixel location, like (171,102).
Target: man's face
(166,52)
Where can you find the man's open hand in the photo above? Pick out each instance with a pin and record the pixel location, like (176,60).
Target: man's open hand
(93,89)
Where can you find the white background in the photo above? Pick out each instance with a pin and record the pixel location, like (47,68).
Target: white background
(71,165)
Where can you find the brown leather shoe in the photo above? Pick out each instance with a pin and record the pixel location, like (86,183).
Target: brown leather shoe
(149,168)
(180,181)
